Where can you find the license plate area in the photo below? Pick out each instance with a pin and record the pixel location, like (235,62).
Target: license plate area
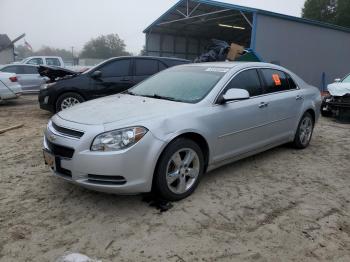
(49,159)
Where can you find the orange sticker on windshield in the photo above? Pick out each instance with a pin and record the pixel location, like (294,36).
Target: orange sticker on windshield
(276,79)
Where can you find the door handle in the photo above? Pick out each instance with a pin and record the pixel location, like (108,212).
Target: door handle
(299,97)
(263,105)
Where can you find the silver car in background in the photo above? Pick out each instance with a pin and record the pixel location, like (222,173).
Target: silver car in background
(9,86)
(167,131)
(27,75)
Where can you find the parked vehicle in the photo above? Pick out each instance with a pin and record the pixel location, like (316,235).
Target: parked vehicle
(44,60)
(27,75)
(338,102)
(9,86)
(110,77)
(166,132)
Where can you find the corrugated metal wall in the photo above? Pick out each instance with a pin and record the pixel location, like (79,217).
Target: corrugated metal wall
(306,49)
(174,46)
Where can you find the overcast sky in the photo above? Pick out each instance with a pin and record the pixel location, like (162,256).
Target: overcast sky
(66,23)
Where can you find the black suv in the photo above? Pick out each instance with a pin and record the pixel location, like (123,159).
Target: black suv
(110,77)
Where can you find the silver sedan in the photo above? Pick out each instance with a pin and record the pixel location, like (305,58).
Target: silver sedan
(167,131)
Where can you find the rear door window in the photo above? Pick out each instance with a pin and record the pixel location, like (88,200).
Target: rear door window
(53,62)
(247,80)
(32,70)
(116,68)
(161,66)
(12,69)
(146,67)
(275,81)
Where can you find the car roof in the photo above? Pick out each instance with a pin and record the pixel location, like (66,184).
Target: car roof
(3,66)
(42,56)
(234,64)
(151,57)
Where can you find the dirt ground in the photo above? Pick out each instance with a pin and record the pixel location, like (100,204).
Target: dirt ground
(281,205)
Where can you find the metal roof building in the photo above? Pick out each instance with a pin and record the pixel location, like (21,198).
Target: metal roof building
(318,52)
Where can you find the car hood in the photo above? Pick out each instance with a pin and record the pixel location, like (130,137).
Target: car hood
(55,73)
(122,107)
(339,89)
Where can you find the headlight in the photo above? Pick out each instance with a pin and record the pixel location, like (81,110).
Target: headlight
(118,139)
(46,86)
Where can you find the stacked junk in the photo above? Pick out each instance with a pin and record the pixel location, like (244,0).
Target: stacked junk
(220,50)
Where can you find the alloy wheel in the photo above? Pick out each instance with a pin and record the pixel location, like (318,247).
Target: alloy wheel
(306,128)
(69,102)
(182,170)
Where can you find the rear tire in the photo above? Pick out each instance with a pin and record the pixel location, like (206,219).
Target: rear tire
(304,132)
(179,170)
(68,100)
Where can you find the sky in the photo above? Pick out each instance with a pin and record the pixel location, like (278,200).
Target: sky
(71,23)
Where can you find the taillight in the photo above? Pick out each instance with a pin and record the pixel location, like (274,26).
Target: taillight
(13,78)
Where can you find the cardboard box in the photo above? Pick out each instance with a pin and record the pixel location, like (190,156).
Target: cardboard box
(235,52)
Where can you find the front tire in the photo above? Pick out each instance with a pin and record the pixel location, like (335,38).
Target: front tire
(304,132)
(179,170)
(68,100)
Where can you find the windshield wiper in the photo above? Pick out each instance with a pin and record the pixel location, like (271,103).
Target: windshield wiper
(129,93)
(156,96)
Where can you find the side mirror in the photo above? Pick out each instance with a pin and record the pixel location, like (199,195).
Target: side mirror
(96,74)
(337,80)
(234,94)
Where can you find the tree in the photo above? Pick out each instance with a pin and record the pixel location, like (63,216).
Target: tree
(23,52)
(143,51)
(104,46)
(343,13)
(50,51)
(330,11)
(320,10)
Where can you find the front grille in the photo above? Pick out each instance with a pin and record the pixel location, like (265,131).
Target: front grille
(106,180)
(61,151)
(67,132)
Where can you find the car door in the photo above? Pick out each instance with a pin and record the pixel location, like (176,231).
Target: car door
(144,68)
(240,126)
(35,61)
(115,78)
(30,79)
(284,101)
(18,70)
(52,61)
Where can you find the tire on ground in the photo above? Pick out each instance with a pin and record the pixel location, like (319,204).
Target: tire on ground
(64,96)
(160,186)
(297,143)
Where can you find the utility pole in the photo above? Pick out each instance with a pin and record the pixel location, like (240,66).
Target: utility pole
(73,55)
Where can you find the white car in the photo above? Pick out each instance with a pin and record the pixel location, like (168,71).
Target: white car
(338,102)
(9,86)
(44,60)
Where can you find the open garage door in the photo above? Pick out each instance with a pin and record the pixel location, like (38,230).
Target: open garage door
(185,30)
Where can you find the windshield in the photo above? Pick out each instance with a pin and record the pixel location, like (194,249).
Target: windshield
(346,79)
(188,84)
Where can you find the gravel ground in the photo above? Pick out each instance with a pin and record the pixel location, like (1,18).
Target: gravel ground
(281,205)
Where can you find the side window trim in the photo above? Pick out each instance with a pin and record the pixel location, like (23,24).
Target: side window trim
(231,78)
(148,59)
(161,62)
(130,71)
(265,83)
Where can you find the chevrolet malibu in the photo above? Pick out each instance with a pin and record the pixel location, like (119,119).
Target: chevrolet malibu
(165,133)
